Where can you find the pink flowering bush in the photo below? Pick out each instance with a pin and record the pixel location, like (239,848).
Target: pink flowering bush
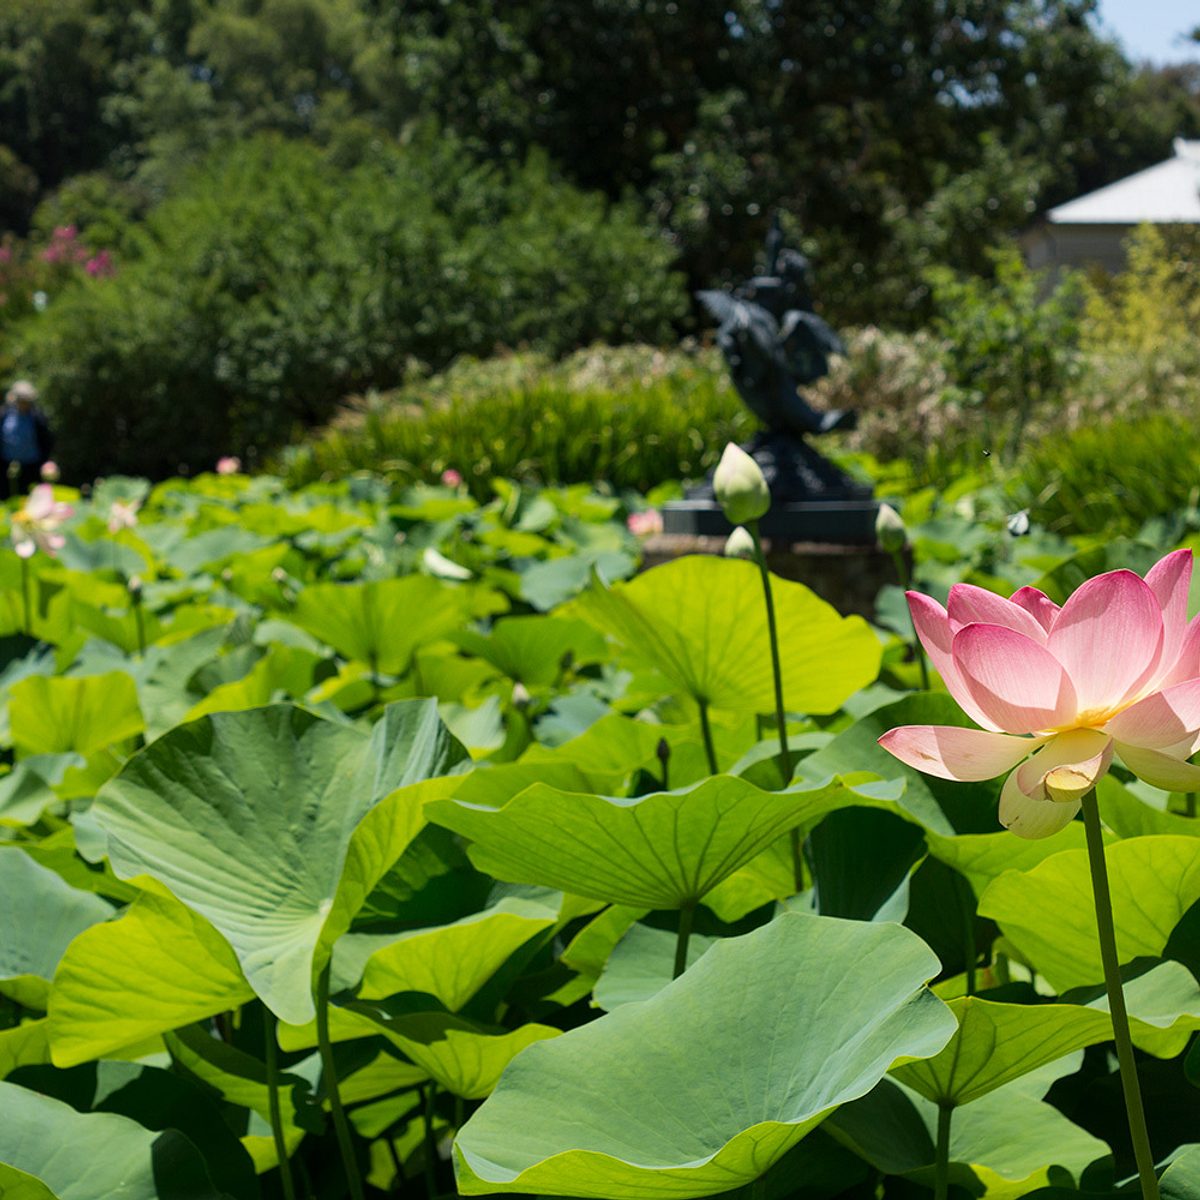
(1059,691)
(35,525)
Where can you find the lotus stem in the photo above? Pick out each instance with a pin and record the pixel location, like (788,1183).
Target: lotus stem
(785,752)
(706,733)
(25,596)
(430,1144)
(1116,999)
(941,1154)
(970,952)
(681,942)
(329,1074)
(281,1151)
(1189,804)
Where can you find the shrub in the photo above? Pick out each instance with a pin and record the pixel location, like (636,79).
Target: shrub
(634,417)
(273,283)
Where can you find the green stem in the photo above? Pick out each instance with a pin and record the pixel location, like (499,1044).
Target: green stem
(941,1156)
(329,1074)
(773,635)
(141,628)
(758,1189)
(1116,999)
(430,1145)
(681,941)
(970,953)
(706,732)
(25,596)
(785,752)
(281,1151)
(905,578)
(1189,804)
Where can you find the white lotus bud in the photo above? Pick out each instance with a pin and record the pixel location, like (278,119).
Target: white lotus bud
(740,544)
(890,531)
(740,487)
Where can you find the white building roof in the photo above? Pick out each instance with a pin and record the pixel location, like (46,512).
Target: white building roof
(1166,193)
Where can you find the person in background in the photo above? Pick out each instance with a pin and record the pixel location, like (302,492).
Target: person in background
(25,439)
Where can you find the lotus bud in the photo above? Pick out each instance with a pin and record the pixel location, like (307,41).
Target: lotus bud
(740,544)
(890,531)
(520,695)
(280,576)
(1018,523)
(740,487)
(50,472)
(227,575)
(135,588)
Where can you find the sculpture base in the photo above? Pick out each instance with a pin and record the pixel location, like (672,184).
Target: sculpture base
(847,576)
(841,522)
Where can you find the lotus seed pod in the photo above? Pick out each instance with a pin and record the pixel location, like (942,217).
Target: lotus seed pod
(890,531)
(740,544)
(740,487)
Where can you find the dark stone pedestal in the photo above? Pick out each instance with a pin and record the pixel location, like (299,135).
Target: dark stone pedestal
(840,522)
(847,576)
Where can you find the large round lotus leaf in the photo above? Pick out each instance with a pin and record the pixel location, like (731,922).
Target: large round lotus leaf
(701,1088)
(664,850)
(94,1156)
(251,818)
(533,649)
(701,621)
(1047,912)
(997,1043)
(39,916)
(381,623)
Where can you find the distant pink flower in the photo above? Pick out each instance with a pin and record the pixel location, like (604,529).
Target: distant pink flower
(229,465)
(6,254)
(1059,690)
(645,524)
(35,526)
(50,472)
(452,478)
(100,265)
(122,515)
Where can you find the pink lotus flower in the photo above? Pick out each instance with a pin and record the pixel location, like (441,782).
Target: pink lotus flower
(122,515)
(451,477)
(1058,691)
(645,524)
(229,465)
(50,472)
(35,526)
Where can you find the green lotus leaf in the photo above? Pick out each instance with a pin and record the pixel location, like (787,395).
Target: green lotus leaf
(982,857)
(381,623)
(123,1158)
(24,1045)
(452,962)
(28,789)
(642,964)
(54,715)
(459,1055)
(250,819)
(700,620)
(1181,1180)
(532,649)
(179,968)
(40,914)
(589,949)
(997,1043)
(1047,912)
(1003,1145)
(663,850)
(941,805)
(701,1088)
(242,1079)
(17,1185)
(1128,816)
(1163,1005)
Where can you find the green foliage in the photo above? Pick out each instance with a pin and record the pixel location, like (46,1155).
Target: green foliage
(341,759)
(273,282)
(1010,346)
(633,417)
